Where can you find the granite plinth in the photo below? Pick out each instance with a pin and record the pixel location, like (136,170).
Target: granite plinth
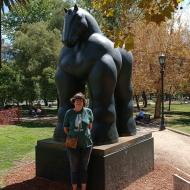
(112,166)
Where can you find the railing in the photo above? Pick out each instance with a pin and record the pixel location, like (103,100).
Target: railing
(10,116)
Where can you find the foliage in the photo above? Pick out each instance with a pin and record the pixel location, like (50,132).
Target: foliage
(10,83)
(34,11)
(47,83)
(37,56)
(35,31)
(120,16)
(150,41)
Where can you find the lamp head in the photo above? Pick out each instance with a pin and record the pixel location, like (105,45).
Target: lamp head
(162,59)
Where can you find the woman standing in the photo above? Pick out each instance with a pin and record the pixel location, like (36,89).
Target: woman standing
(77,124)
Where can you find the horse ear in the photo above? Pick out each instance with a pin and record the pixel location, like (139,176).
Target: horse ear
(66,10)
(76,8)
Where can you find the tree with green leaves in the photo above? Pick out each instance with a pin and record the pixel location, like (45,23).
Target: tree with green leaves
(37,55)
(10,84)
(47,84)
(51,11)
(35,30)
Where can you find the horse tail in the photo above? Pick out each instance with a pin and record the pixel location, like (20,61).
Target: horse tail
(124,96)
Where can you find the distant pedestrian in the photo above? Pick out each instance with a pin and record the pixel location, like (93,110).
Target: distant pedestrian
(38,111)
(140,116)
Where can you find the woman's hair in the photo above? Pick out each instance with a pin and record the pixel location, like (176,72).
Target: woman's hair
(78,95)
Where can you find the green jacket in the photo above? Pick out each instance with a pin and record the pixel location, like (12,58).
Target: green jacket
(78,122)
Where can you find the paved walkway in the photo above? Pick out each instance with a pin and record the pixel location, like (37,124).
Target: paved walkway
(171,148)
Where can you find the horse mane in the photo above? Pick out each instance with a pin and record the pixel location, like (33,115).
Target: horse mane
(93,26)
(92,23)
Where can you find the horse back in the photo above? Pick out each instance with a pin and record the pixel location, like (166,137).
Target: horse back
(101,45)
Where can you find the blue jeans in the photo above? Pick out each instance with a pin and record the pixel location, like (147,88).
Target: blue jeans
(79,159)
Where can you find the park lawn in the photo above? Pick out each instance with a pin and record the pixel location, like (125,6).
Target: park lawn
(179,117)
(17,142)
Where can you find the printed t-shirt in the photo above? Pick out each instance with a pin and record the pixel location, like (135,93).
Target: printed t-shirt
(78,122)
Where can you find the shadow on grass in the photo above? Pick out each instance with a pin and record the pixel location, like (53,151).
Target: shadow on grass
(177,113)
(37,184)
(180,121)
(36,125)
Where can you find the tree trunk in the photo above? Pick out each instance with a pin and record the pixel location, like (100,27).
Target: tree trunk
(144,99)
(4,103)
(137,102)
(170,100)
(157,110)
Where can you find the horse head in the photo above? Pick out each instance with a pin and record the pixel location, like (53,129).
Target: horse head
(78,26)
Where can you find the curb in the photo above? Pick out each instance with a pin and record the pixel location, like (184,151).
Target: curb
(176,131)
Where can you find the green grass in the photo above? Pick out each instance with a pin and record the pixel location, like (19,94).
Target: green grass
(17,142)
(179,117)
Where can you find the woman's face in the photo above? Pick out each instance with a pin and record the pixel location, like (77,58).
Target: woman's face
(78,103)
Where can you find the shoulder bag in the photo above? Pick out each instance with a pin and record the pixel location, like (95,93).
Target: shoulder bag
(71,142)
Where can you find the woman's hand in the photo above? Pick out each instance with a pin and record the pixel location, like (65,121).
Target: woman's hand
(90,126)
(66,130)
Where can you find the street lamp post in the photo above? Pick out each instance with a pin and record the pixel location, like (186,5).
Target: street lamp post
(162,59)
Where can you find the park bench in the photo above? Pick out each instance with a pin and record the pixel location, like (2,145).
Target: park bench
(147,117)
(33,113)
(145,120)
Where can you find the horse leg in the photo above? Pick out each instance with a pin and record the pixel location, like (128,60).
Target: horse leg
(67,86)
(123,97)
(101,82)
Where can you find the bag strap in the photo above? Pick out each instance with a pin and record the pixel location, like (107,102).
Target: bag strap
(79,127)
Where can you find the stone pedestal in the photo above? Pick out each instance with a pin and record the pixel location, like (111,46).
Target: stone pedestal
(111,166)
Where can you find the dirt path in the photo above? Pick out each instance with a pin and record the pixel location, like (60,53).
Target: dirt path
(172,155)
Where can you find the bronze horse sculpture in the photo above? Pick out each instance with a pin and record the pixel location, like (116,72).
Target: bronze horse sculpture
(88,57)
